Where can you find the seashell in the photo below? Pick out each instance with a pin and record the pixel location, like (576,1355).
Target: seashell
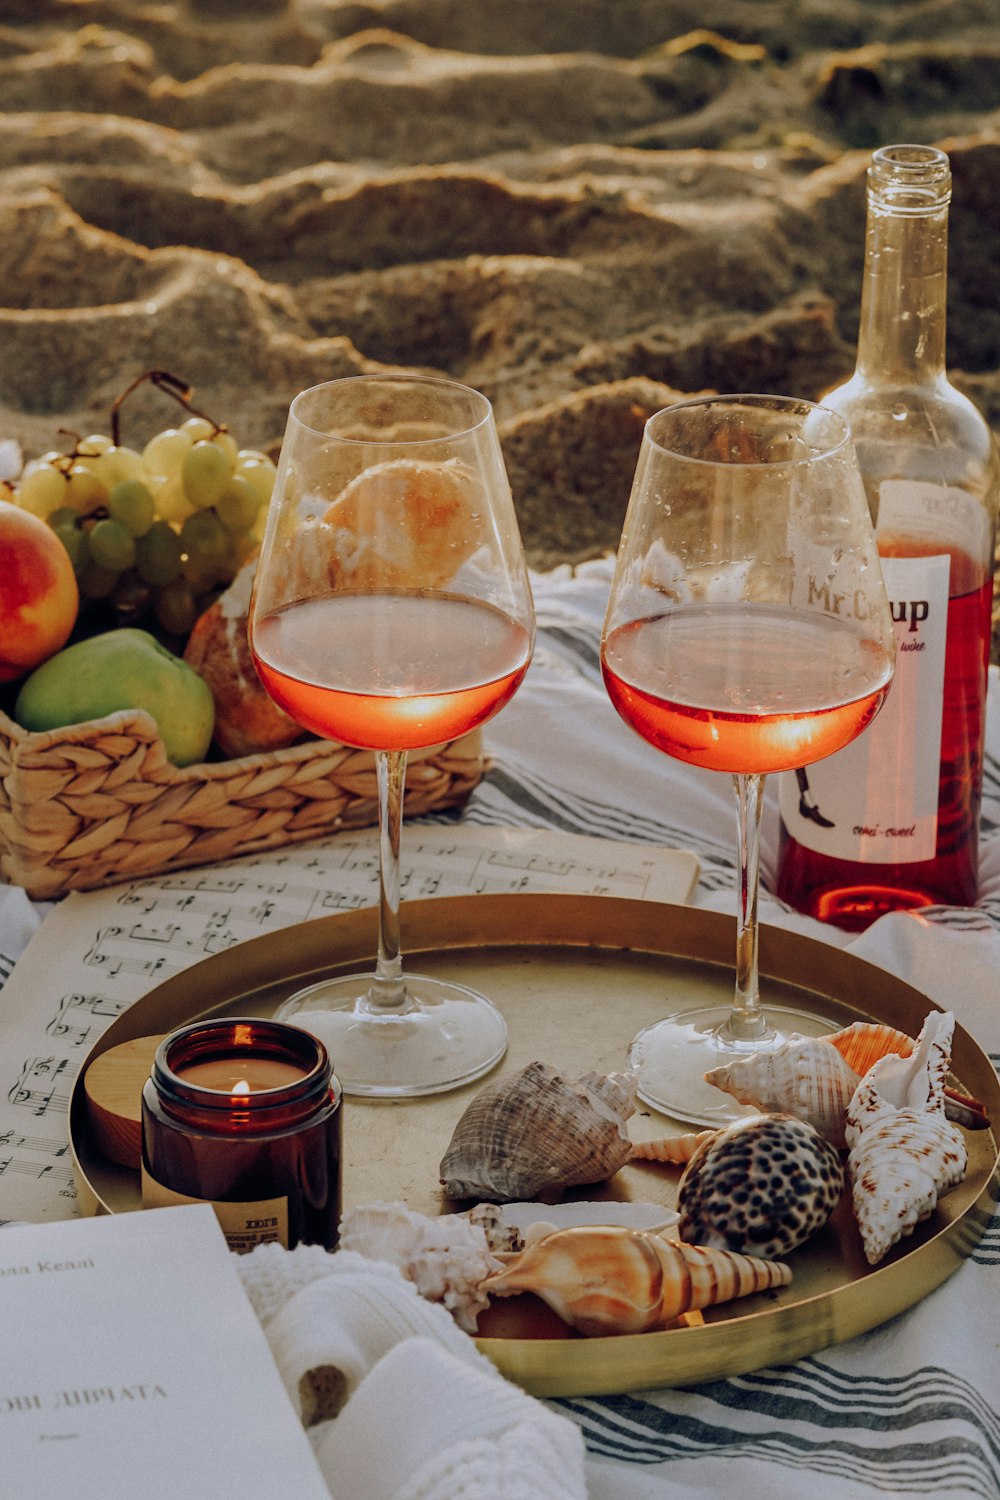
(446,1258)
(814,1078)
(804,1076)
(523,1219)
(866,1042)
(537,1132)
(501,1234)
(608,1279)
(675,1149)
(760,1186)
(904,1152)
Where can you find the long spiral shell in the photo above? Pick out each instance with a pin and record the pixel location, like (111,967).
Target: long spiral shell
(674,1149)
(606,1279)
(904,1152)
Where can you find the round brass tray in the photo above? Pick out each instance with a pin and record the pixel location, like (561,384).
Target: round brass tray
(576,977)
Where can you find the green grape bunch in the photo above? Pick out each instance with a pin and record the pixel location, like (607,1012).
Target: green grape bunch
(154,534)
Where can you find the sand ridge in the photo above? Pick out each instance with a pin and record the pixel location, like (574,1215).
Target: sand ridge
(583,208)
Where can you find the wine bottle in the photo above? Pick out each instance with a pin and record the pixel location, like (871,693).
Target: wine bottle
(891,823)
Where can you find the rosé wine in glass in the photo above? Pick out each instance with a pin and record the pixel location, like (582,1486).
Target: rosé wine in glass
(390,671)
(747,631)
(687,682)
(392,611)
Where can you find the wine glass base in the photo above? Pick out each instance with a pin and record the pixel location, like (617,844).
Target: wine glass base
(445,1037)
(669,1058)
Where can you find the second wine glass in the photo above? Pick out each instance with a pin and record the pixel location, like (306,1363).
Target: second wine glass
(747,631)
(392,611)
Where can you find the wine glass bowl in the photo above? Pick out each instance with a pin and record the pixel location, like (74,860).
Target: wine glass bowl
(391,611)
(747,631)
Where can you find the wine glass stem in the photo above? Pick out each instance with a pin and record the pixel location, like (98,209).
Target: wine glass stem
(388,988)
(747,1022)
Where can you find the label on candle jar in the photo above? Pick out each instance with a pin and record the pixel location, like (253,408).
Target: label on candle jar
(245,1225)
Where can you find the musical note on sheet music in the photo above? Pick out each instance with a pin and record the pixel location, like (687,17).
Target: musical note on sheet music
(98,952)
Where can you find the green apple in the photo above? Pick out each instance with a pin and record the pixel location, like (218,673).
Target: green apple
(123,668)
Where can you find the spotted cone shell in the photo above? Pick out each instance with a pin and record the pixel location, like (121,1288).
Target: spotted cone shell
(760,1186)
(904,1152)
(607,1279)
(536,1132)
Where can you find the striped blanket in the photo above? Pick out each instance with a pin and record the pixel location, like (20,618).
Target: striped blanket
(910,1409)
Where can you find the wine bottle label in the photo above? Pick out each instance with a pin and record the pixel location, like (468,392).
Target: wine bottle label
(245,1225)
(876,801)
(936,515)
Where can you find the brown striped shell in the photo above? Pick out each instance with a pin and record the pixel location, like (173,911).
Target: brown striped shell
(865,1042)
(606,1279)
(536,1132)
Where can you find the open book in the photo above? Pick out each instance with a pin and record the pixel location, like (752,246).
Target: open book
(133,1364)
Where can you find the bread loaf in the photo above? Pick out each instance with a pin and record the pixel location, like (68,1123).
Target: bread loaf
(247,721)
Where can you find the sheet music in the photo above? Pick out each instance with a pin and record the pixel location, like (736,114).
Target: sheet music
(98,952)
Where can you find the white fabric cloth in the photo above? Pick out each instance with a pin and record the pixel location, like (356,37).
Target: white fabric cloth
(460,1434)
(424,1415)
(909,1410)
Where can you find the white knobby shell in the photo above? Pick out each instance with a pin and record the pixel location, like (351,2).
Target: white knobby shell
(447,1258)
(904,1152)
(536,1132)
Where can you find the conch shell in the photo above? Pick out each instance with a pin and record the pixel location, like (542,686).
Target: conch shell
(804,1076)
(606,1279)
(815,1078)
(763,1184)
(904,1153)
(536,1132)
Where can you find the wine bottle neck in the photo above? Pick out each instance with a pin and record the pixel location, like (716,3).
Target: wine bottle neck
(903,298)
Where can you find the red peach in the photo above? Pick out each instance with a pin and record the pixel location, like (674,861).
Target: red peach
(39,599)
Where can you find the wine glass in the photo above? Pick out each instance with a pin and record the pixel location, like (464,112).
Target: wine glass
(747,630)
(392,610)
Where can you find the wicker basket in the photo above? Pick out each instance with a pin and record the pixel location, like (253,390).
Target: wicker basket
(98,803)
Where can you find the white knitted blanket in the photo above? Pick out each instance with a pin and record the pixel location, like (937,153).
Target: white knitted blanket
(399,1403)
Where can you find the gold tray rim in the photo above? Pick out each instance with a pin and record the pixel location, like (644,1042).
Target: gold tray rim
(674,1357)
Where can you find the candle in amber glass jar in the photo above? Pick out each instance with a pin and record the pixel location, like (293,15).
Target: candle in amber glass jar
(235,1076)
(245,1114)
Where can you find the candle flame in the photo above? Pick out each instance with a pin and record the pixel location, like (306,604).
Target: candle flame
(241,1088)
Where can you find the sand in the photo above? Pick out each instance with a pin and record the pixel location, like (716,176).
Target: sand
(582,207)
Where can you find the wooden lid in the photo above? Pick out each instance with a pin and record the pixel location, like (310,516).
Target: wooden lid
(113,1088)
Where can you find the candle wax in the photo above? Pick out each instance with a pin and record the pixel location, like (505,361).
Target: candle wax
(241,1074)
